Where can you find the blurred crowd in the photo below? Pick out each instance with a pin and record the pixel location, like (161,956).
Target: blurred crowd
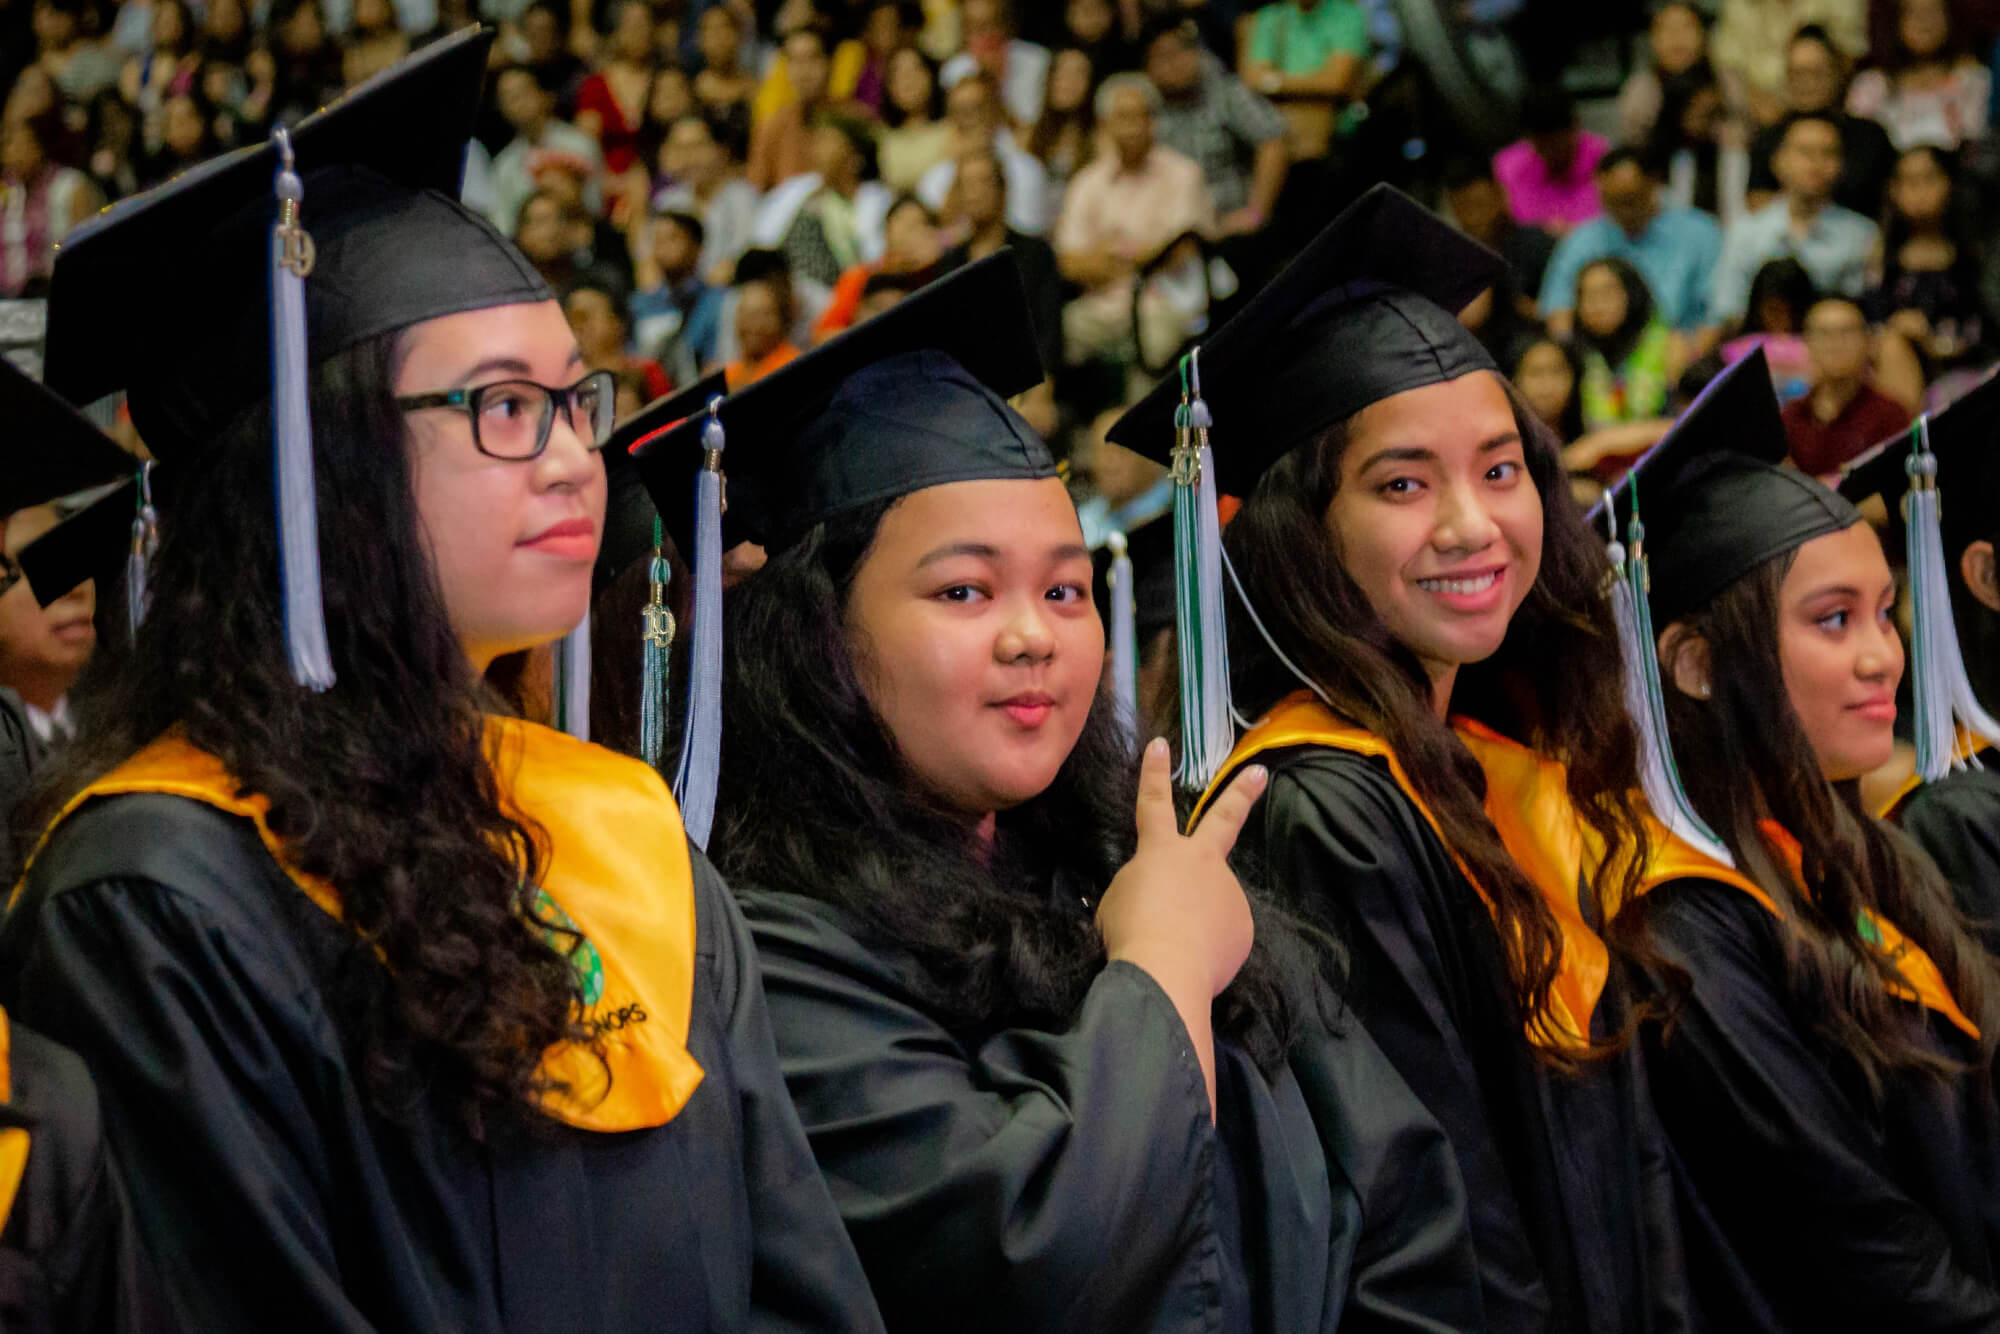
(723,183)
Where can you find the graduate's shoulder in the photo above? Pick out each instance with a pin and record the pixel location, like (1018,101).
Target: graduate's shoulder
(1969,799)
(1346,798)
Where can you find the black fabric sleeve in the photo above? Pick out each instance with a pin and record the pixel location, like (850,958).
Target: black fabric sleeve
(804,1272)
(1031,1181)
(1957,821)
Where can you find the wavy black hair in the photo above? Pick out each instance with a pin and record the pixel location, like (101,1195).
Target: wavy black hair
(815,801)
(451,989)
(1554,684)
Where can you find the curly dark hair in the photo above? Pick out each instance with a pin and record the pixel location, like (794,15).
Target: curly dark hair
(452,987)
(1744,756)
(1554,684)
(814,801)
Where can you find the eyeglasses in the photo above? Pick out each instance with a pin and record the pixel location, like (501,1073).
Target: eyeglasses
(511,419)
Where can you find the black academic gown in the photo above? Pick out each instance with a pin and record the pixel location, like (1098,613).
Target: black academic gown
(1072,1180)
(158,939)
(1811,1206)
(1957,821)
(1572,1209)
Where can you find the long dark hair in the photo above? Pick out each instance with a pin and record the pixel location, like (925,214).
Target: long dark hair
(814,801)
(1617,345)
(1554,683)
(381,784)
(1744,757)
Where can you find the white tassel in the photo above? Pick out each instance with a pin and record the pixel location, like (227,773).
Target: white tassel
(1208,733)
(572,681)
(145,544)
(292,448)
(1945,701)
(1124,633)
(701,738)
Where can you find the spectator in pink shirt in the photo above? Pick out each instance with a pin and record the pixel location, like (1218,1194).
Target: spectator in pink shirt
(1547,174)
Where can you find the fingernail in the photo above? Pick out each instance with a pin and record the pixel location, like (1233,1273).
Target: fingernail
(1256,773)
(1157,746)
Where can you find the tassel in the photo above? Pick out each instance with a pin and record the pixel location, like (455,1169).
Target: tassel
(701,738)
(572,681)
(657,638)
(1659,776)
(1124,633)
(145,544)
(1945,701)
(291,418)
(1207,729)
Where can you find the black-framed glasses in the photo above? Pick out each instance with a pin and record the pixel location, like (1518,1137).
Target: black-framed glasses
(511,419)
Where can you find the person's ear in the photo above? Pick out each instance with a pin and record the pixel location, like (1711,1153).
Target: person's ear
(1975,565)
(1684,654)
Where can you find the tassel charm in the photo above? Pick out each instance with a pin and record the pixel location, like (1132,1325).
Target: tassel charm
(701,739)
(1945,702)
(657,641)
(1124,633)
(1207,725)
(145,544)
(306,644)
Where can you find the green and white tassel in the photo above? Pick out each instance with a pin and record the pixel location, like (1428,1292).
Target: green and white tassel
(701,738)
(657,640)
(1208,732)
(1945,701)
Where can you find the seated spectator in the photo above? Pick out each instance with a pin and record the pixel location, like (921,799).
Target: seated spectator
(1834,244)
(1816,83)
(611,104)
(187,137)
(1019,70)
(1065,138)
(1842,414)
(538,137)
(779,88)
(704,183)
(1699,145)
(376,43)
(1675,249)
(829,234)
(1676,42)
(596,311)
(1094,27)
(1928,289)
(81,65)
(1629,359)
(917,136)
(1547,373)
(304,60)
(1478,207)
(973,107)
(887,26)
(1927,89)
(911,246)
(39,203)
(982,208)
(781,145)
(1235,137)
(723,83)
(1775,320)
(44,649)
(171,67)
(1122,211)
(1310,57)
(1547,173)
(544,53)
(764,316)
(555,235)
(676,312)
(1751,36)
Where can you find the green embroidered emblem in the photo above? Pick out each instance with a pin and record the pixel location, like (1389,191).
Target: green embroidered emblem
(582,954)
(1869,931)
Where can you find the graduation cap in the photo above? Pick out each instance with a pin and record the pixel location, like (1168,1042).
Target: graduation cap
(1702,508)
(89,544)
(1955,448)
(629,509)
(1367,310)
(52,450)
(911,399)
(217,290)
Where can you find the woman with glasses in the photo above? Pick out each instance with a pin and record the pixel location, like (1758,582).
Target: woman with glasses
(404,1013)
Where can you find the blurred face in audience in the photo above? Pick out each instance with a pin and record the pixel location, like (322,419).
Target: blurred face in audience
(20,151)
(1924,26)
(1676,38)
(1480,207)
(691,154)
(1807,163)
(1837,341)
(224,20)
(599,331)
(981,198)
(1546,379)
(910,242)
(1069,81)
(835,158)
(985,20)
(55,28)
(1129,122)
(542,34)
(1173,63)
(974,635)
(883,33)
(522,101)
(541,234)
(1812,76)
(632,38)
(1631,198)
(304,32)
(42,649)
(1839,650)
(971,108)
(170,23)
(760,320)
(671,96)
(721,39)
(1601,302)
(806,63)
(1088,20)
(181,127)
(1920,190)
(674,248)
(910,83)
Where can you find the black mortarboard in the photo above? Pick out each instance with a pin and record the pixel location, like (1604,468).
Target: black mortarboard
(1714,501)
(628,509)
(914,398)
(90,544)
(51,449)
(1965,437)
(167,294)
(1367,310)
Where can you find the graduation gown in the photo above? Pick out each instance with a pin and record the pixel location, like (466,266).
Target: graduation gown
(1571,1194)
(1811,1205)
(160,938)
(1071,1179)
(1957,821)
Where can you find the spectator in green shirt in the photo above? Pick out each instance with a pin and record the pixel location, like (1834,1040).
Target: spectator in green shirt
(1311,58)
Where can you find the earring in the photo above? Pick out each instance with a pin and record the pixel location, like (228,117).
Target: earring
(1702,690)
